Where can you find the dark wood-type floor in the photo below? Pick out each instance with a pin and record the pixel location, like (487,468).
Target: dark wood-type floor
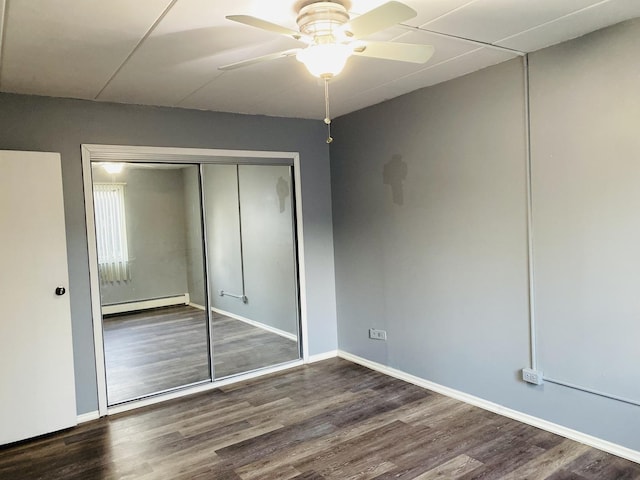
(155,350)
(330,420)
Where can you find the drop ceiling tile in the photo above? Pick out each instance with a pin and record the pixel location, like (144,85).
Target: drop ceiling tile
(185,50)
(462,65)
(281,12)
(457,67)
(363,74)
(584,21)
(303,99)
(445,48)
(392,33)
(69,48)
(428,10)
(492,20)
(246,89)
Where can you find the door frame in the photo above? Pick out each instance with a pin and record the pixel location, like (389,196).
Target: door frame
(123,153)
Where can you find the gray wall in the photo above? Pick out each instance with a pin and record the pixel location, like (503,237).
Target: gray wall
(155,215)
(429,208)
(193,230)
(220,184)
(586,145)
(62,125)
(267,246)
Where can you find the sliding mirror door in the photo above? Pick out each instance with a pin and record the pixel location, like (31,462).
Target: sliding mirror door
(251,252)
(196,267)
(152,279)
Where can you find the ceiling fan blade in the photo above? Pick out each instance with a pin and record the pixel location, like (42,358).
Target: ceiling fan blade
(263,58)
(264,25)
(385,16)
(402,52)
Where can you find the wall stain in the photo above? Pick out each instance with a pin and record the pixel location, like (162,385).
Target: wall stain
(394,174)
(283,191)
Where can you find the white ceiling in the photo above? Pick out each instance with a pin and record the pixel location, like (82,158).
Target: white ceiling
(167,52)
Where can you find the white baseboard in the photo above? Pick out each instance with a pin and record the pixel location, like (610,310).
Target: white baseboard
(145,304)
(318,357)
(88,417)
(569,433)
(263,326)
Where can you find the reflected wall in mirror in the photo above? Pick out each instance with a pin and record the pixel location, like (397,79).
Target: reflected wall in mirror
(151,264)
(251,252)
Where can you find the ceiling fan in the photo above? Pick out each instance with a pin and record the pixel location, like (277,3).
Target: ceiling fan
(332,36)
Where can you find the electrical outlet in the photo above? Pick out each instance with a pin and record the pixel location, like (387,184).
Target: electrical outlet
(532,376)
(376,334)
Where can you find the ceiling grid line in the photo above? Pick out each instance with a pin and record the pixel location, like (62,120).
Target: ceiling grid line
(201,87)
(550,22)
(450,12)
(4,7)
(420,29)
(135,49)
(469,40)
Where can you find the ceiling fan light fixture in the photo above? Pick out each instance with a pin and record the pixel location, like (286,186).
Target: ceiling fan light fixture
(323,19)
(325,60)
(113,167)
(333,36)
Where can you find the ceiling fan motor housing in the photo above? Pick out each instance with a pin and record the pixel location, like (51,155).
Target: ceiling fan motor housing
(323,20)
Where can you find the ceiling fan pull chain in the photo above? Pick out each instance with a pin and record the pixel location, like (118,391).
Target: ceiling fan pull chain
(327,116)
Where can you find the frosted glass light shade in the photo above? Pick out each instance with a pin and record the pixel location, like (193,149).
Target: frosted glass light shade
(325,60)
(112,167)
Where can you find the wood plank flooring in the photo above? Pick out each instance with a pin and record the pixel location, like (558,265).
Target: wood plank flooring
(155,350)
(330,420)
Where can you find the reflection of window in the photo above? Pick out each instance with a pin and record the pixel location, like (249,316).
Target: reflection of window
(111,232)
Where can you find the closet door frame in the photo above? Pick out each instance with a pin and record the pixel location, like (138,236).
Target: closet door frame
(122,153)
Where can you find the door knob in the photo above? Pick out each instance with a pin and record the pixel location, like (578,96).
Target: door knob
(60,291)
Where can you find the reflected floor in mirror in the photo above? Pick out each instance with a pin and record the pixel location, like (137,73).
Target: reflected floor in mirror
(155,350)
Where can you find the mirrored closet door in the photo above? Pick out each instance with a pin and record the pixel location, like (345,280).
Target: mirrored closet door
(150,256)
(252,267)
(198,272)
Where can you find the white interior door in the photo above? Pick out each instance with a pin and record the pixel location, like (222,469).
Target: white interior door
(37,388)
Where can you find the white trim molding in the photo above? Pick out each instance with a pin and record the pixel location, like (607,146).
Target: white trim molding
(94,281)
(302,276)
(263,326)
(319,357)
(88,417)
(569,433)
